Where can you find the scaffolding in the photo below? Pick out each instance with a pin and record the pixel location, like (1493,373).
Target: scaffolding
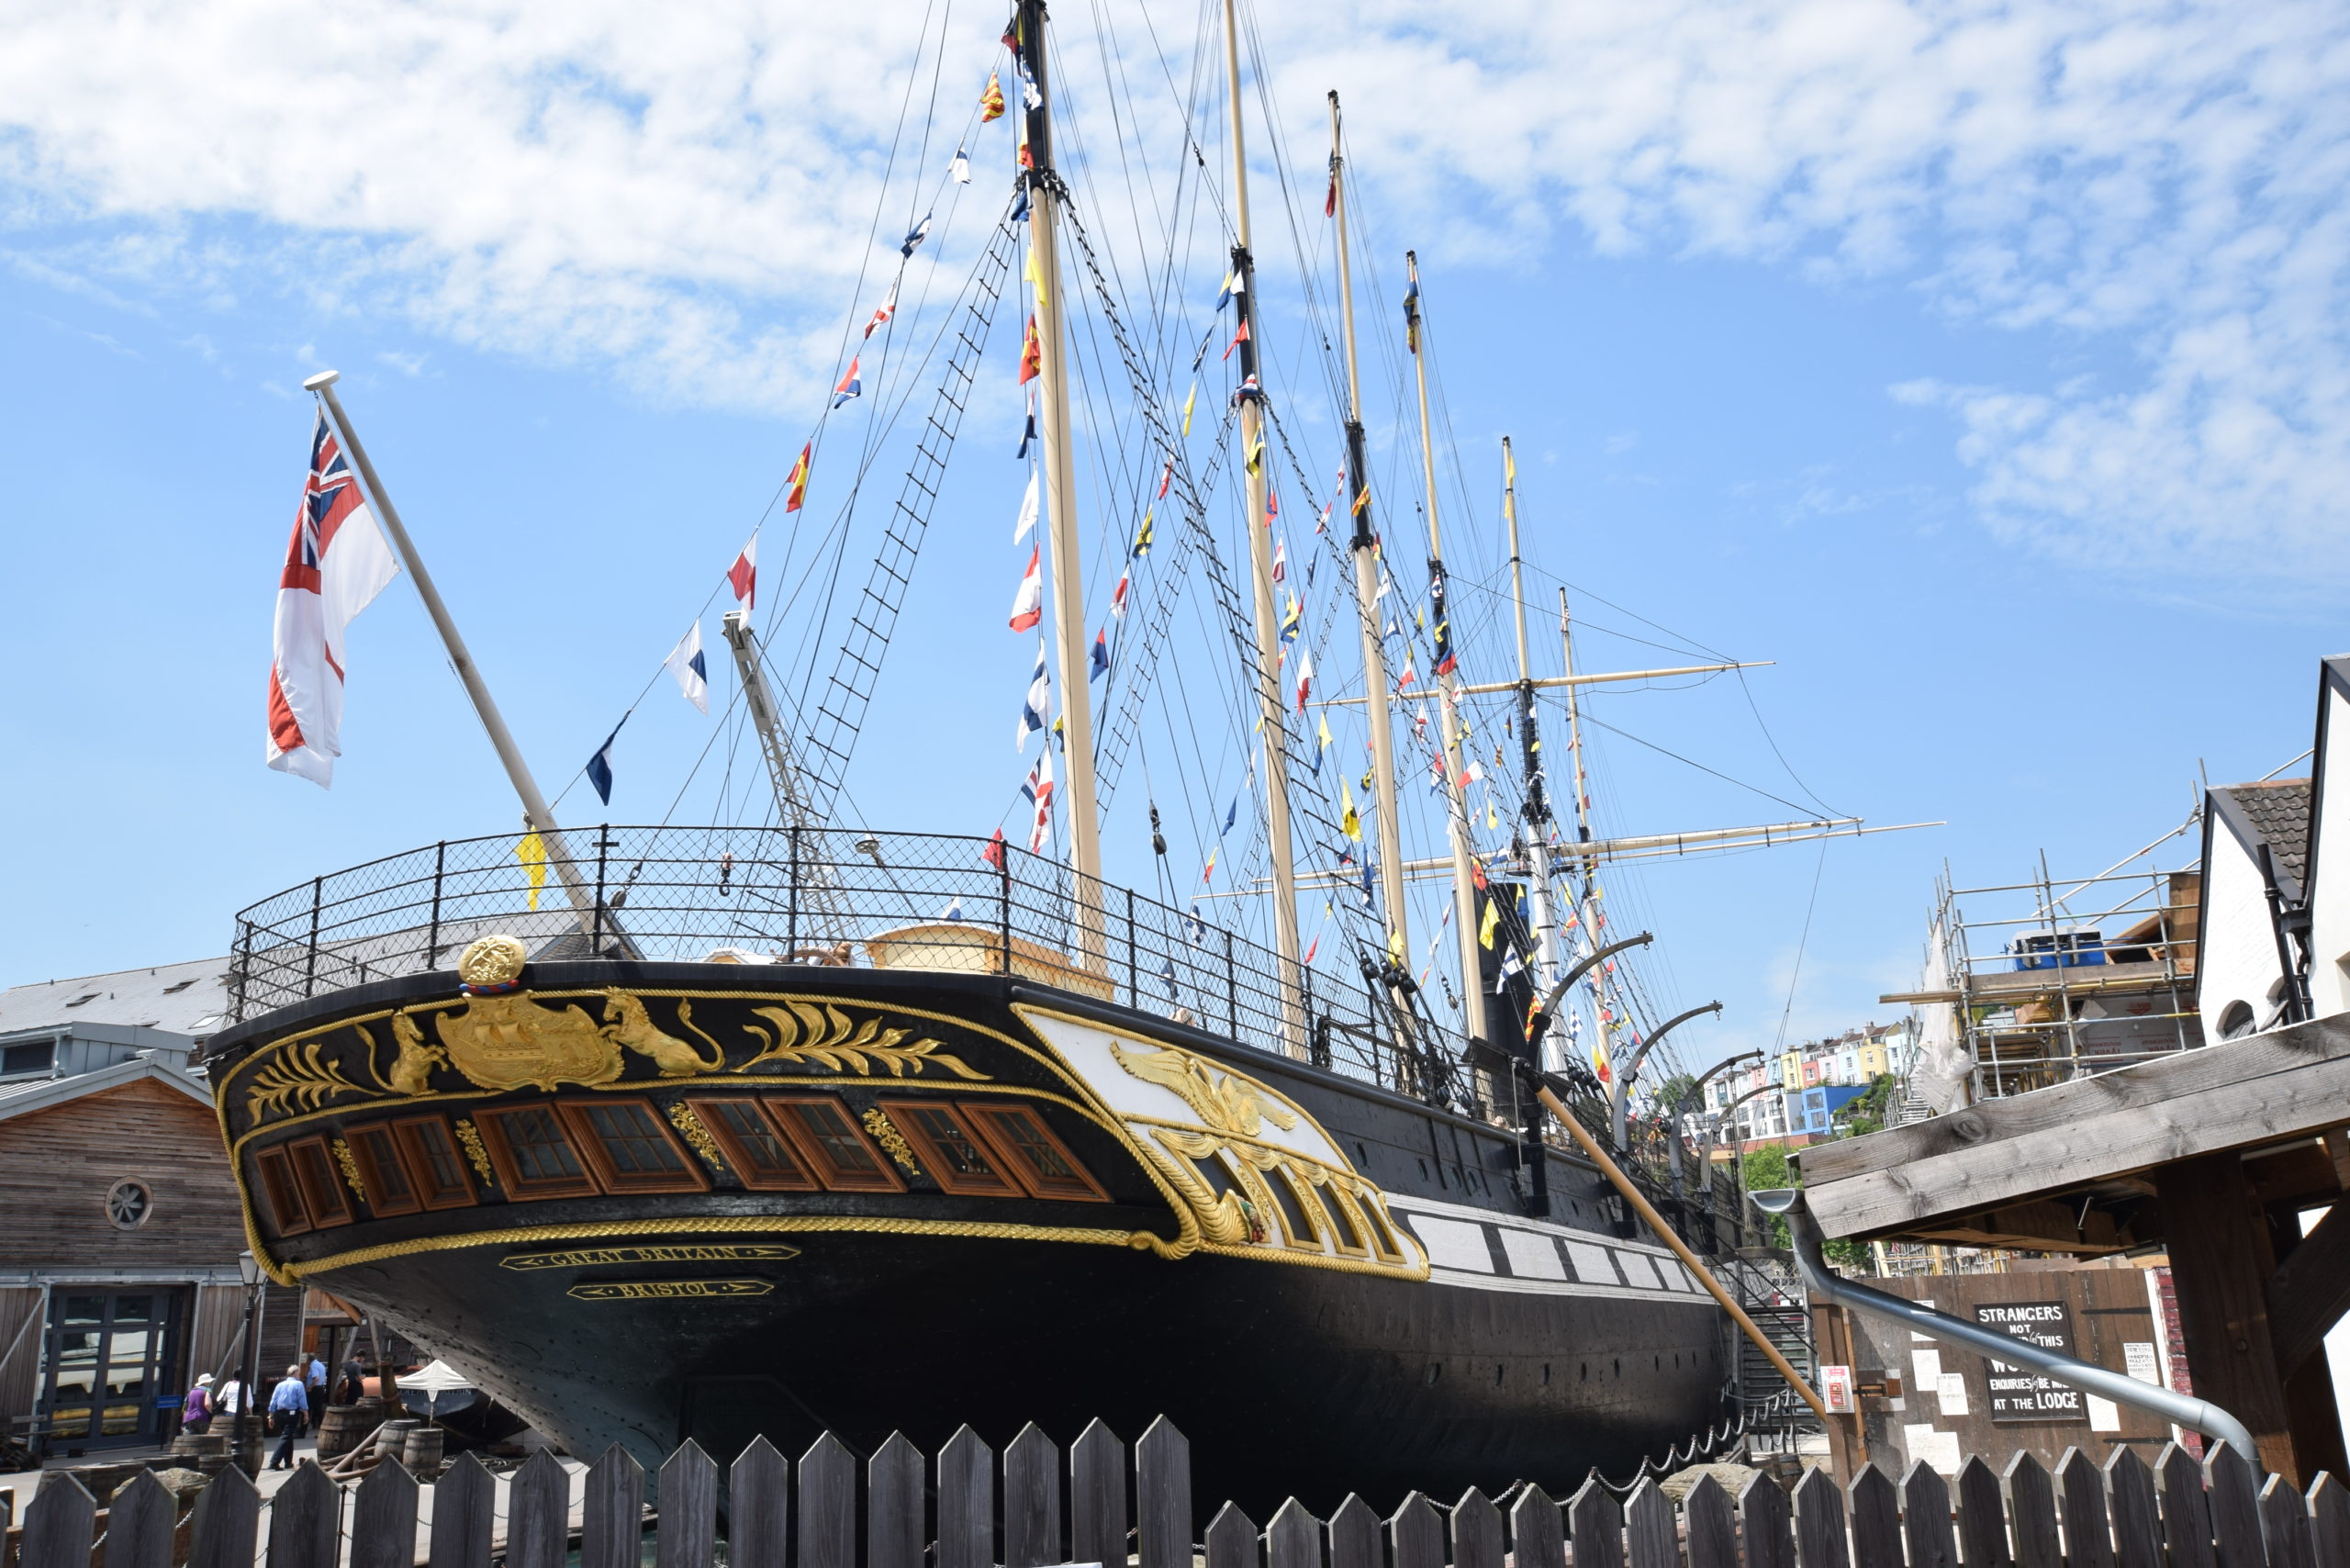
(2047,981)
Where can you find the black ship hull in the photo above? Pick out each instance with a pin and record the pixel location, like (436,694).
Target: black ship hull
(1328,1287)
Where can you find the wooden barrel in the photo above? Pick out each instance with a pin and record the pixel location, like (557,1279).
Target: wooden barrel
(200,1444)
(345,1426)
(422,1449)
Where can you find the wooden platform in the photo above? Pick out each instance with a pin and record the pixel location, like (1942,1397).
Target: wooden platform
(2214,1154)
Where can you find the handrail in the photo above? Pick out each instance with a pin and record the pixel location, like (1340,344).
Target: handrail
(2122,1389)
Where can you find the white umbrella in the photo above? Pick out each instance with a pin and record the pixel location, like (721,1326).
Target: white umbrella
(436,1389)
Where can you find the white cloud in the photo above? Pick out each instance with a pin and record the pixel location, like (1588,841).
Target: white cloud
(686,195)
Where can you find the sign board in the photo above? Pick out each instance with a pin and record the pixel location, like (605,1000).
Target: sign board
(2017,1394)
(1836,1390)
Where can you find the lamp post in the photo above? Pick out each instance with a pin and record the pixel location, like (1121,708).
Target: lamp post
(249,1269)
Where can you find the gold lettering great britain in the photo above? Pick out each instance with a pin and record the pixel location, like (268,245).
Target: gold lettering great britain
(593,1257)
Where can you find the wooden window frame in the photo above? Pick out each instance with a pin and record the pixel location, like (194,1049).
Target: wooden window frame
(730,1146)
(419,1160)
(297,1223)
(951,1180)
(509,1176)
(589,1144)
(371,1171)
(982,1116)
(327,1174)
(779,1108)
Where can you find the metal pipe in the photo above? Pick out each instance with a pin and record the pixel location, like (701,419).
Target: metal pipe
(2122,1389)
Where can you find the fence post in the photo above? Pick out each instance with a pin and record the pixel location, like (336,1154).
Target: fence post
(596,925)
(1231,990)
(791,897)
(433,939)
(310,958)
(1003,902)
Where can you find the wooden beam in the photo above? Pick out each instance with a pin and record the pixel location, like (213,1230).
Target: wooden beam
(2218,1263)
(2297,1046)
(2107,1135)
(2310,1290)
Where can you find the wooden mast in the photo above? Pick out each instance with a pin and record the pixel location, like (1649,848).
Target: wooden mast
(1529,753)
(1590,868)
(1389,828)
(1464,892)
(1273,709)
(1045,194)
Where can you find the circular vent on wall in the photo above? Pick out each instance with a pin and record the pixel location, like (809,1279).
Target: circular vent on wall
(129,1204)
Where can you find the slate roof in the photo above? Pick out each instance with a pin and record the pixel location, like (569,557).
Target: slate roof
(2278,811)
(184,998)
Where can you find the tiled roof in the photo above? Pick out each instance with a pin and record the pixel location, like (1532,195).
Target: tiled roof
(2278,810)
(185,998)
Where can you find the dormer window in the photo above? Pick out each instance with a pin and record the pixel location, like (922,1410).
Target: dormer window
(78,1001)
(177,986)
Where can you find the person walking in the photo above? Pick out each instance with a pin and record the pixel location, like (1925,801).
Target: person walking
(196,1410)
(228,1399)
(289,1413)
(355,1382)
(315,1377)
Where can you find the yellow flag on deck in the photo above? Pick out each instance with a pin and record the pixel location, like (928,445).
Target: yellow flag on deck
(532,853)
(1486,927)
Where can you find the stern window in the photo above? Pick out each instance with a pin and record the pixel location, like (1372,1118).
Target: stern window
(322,1184)
(949,1151)
(432,1157)
(389,1191)
(284,1197)
(532,1156)
(843,1157)
(632,1151)
(761,1158)
(1296,1223)
(1036,1157)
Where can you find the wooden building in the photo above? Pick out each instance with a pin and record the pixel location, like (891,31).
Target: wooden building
(118,1276)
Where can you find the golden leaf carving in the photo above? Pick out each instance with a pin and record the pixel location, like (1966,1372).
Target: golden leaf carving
(343,1157)
(689,1126)
(475,1155)
(884,1133)
(1226,1102)
(299,1078)
(824,1036)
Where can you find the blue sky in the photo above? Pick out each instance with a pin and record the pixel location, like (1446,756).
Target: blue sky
(1983,367)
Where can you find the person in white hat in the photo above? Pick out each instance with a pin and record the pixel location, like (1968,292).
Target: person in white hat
(196,1409)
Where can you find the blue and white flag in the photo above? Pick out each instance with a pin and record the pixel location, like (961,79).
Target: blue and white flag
(915,235)
(959,171)
(1195,930)
(685,665)
(953,911)
(600,767)
(1038,700)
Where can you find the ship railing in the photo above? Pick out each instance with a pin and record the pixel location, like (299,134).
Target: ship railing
(823,897)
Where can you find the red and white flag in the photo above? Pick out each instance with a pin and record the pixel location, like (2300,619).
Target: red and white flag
(1039,789)
(1028,607)
(889,308)
(336,562)
(742,576)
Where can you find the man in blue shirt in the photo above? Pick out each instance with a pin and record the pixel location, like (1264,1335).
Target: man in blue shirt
(315,1377)
(289,1412)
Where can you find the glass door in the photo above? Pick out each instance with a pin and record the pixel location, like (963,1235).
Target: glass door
(112,1354)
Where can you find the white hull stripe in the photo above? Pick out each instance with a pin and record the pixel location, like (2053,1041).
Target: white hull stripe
(1482,1249)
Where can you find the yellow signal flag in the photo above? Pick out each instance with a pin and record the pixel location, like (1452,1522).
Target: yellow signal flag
(1257,455)
(532,853)
(1187,402)
(1034,273)
(1349,820)
(1509,467)
(1486,927)
(1493,817)
(1322,729)
(1395,944)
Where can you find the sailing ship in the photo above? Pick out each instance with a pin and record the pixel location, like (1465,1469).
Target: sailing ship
(796,1127)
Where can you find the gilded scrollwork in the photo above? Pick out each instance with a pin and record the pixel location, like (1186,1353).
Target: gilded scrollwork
(884,1133)
(299,1080)
(805,1032)
(343,1157)
(1226,1102)
(475,1155)
(689,1127)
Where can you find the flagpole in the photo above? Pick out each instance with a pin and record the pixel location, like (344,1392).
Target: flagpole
(1274,721)
(1364,546)
(518,772)
(1456,786)
(1058,462)
(1584,902)
(1530,754)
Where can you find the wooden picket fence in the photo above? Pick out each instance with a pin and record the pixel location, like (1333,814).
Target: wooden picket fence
(1108,1507)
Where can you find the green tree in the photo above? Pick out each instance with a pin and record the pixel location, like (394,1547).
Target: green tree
(1769,1167)
(1870,1111)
